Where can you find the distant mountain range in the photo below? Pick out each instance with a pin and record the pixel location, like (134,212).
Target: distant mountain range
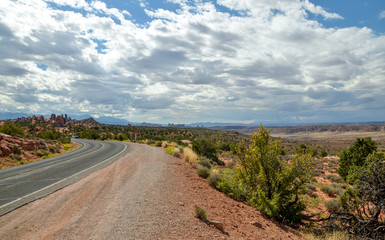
(213,125)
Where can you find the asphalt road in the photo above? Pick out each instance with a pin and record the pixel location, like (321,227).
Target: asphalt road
(23,184)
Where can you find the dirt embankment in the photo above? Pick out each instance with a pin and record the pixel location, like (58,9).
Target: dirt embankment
(144,195)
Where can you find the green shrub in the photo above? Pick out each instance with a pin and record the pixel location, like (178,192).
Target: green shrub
(230,164)
(262,170)
(11,128)
(332,205)
(311,187)
(42,152)
(53,149)
(16,149)
(205,148)
(334,178)
(200,213)
(213,180)
(203,172)
(355,157)
(332,191)
(205,162)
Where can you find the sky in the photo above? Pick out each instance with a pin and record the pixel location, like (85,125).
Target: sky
(179,61)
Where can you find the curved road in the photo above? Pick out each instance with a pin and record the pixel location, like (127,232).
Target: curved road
(23,184)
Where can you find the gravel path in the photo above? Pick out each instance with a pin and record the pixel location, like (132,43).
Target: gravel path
(147,194)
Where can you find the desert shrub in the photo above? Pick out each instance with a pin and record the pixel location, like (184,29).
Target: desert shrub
(68,146)
(335,235)
(189,155)
(313,195)
(230,164)
(200,212)
(332,205)
(334,178)
(364,204)
(165,144)
(158,143)
(323,153)
(16,157)
(205,148)
(180,148)
(213,179)
(332,191)
(203,172)
(53,149)
(16,149)
(205,162)
(274,185)
(169,150)
(11,128)
(312,187)
(42,152)
(176,152)
(355,157)
(230,186)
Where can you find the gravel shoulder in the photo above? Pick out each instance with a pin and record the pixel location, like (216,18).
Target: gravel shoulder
(146,194)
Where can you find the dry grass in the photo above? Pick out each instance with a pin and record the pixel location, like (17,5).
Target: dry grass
(190,156)
(332,236)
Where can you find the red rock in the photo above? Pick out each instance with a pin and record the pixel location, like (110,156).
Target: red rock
(5,150)
(30,145)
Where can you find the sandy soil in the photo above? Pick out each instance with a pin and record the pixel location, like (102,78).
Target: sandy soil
(147,194)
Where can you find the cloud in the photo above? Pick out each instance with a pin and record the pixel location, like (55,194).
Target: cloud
(260,60)
(381,15)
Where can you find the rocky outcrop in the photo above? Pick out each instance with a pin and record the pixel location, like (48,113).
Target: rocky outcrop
(7,144)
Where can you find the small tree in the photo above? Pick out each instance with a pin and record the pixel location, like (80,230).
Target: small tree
(364,204)
(355,157)
(273,184)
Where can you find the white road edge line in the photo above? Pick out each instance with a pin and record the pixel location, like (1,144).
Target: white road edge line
(53,184)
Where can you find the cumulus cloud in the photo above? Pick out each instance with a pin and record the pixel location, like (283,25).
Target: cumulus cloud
(261,60)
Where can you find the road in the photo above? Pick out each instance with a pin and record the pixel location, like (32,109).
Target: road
(23,184)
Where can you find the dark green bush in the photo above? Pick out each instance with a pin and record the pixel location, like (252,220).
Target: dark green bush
(203,172)
(213,180)
(335,178)
(42,152)
(16,149)
(332,205)
(205,148)
(11,128)
(205,162)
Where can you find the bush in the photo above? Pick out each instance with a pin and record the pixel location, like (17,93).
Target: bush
(205,148)
(332,191)
(189,155)
(311,187)
(16,149)
(200,213)
(11,128)
(261,171)
(42,152)
(334,178)
(355,157)
(213,180)
(230,164)
(53,149)
(205,162)
(203,172)
(332,205)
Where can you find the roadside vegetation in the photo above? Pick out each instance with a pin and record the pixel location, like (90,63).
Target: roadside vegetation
(334,190)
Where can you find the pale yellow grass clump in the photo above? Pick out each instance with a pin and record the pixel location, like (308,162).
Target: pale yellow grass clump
(190,156)
(331,236)
(165,144)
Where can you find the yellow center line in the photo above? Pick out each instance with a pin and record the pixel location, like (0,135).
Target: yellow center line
(53,165)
